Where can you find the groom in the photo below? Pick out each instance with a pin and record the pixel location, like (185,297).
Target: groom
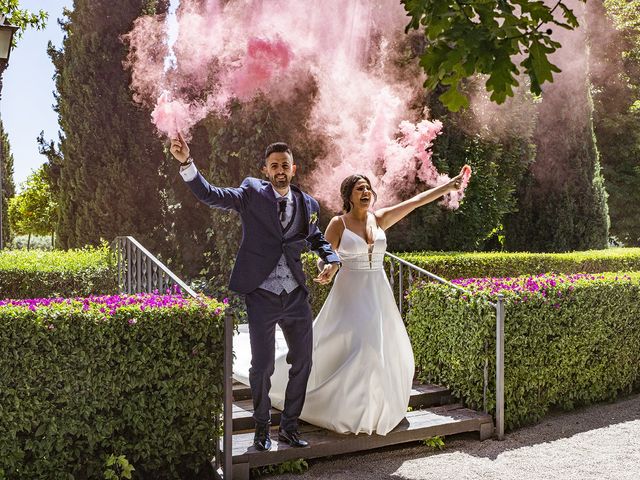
(278,222)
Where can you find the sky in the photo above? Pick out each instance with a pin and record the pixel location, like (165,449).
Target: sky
(27,100)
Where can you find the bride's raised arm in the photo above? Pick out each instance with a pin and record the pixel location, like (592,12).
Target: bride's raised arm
(389,216)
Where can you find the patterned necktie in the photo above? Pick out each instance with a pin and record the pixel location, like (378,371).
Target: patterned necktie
(282,210)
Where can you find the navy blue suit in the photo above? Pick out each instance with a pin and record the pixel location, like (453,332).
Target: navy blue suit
(263,244)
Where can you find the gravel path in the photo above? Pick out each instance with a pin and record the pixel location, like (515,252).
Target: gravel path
(601,442)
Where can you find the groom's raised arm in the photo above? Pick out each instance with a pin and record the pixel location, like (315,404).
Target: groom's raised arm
(225,198)
(218,197)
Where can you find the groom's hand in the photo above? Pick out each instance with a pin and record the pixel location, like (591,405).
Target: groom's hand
(179,148)
(327,273)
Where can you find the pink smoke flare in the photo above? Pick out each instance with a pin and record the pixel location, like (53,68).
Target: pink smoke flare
(263,62)
(362,99)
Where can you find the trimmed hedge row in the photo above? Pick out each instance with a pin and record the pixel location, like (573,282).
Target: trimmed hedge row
(568,340)
(84,379)
(474,265)
(74,273)
(471,265)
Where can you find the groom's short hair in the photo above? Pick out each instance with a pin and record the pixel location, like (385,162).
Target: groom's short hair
(276,147)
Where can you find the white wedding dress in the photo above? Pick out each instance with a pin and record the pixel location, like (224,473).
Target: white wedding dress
(363,364)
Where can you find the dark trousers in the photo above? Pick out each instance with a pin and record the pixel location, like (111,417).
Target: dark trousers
(293,313)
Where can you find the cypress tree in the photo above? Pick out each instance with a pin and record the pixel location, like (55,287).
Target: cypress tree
(615,74)
(8,186)
(562,202)
(107,173)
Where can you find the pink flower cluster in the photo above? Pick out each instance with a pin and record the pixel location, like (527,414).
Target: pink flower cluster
(107,304)
(537,284)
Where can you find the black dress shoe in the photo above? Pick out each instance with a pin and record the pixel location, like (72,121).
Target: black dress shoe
(261,440)
(292,438)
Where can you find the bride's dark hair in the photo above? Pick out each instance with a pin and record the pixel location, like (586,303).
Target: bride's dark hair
(346,189)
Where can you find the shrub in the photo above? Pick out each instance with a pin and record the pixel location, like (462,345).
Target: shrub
(134,376)
(569,340)
(73,273)
(472,265)
(452,265)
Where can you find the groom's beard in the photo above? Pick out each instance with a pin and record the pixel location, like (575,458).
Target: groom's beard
(280,182)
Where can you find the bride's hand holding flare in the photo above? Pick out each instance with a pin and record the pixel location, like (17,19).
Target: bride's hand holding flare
(179,148)
(391,215)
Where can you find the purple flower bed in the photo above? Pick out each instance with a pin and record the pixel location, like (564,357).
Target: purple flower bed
(108,304)
(537,284)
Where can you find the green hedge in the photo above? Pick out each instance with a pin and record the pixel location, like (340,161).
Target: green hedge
(73,273)
(471,265)
(85,380)
(566,344)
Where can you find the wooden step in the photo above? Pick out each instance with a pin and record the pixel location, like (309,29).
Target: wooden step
(241,391)
(422,395)
(418,425)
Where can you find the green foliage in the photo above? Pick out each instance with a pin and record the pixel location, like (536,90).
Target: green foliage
(36,242)
(453,265)
(22,18)
(435,443)
(105,169)
(74,273)
(562,202)
(483,36)
(291,466)
(577,344)
(616,85)
(498,159)
(33,211)
(118,468)
(473,265)
(77,386)
(8,187)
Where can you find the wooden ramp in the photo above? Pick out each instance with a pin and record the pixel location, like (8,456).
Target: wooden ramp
(432,414)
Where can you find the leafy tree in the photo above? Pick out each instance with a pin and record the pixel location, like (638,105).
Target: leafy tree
(33,211)
(11,13)
(483,36)
(22,18)
(8,187)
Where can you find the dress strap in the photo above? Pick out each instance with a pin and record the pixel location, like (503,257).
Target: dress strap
(342,218)
(375,219)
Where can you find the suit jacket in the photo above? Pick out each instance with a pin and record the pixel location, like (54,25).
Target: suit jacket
(262,239)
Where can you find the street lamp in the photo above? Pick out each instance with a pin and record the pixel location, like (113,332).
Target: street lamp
(6,38)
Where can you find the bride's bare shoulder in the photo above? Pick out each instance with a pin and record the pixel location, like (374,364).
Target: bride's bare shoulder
(336,223)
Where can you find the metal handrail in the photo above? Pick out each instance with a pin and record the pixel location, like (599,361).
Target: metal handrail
(139,271)
(500,315)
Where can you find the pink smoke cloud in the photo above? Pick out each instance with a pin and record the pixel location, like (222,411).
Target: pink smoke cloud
(238,49)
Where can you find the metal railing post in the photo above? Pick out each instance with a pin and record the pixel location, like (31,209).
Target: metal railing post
(400,289)
(228,397)
(500,367)
(500,314)
(128,243)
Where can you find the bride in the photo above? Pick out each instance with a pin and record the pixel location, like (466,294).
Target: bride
(363,364)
